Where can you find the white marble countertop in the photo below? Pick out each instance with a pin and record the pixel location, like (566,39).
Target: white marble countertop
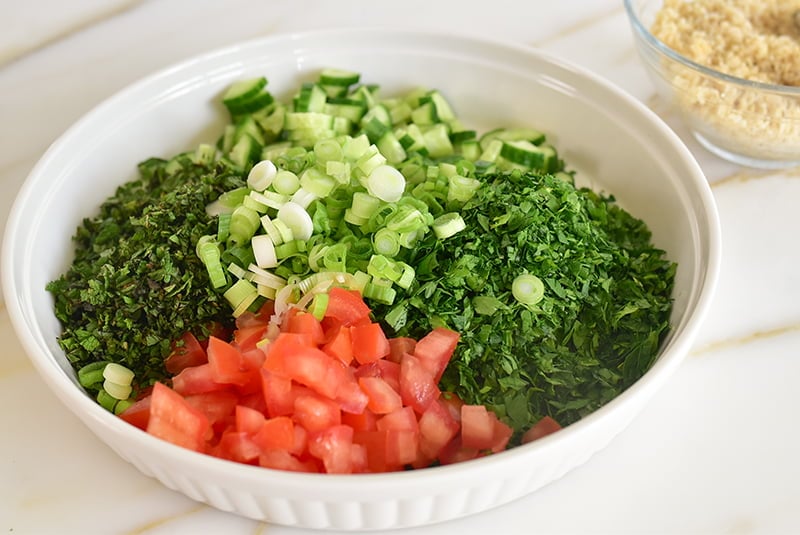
(716,451)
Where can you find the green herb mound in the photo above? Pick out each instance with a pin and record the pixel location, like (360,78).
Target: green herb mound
(605,310)
(136,283)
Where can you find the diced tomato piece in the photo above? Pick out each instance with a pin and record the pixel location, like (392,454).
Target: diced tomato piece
(347,306)
(285,344)
(385,369)
(369,342)
(364,421)
(277,391)
(237,446)
(383,398)
(399,346)
(300,444)
(247,337)
(477,427)
(305,323)
(456,452)
(283,460)
(349,395)
(173,419)
(417,386)
(219,406)
(501,435)
(138,414)
(402,447)
(435,349)
(186,352)
(374,442)
(333,446)
(358,458)
(339,344)
(545,426)
(403,418)
(437,428)
(316,413)
(453,405)
(314,368)
(276,433)
(226,362)
(249,420)
(197,380)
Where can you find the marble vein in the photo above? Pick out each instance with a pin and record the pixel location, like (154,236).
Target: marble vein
(579,26)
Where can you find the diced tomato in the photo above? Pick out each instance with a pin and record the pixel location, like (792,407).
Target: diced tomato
(175,420)
(545,426)
(227,365)
(477,427)
(315,369)
(305,323)
(437,428)
(349,395)
(300,444)
(400,346)
(403,418)
(369,342)
(333,446)
(186,352)
(285,344)
(138,414)
(374,443)
(238,446)
(417,386)
(435,349)
(276,434)
(366,420)
(339,344)
(247,338)
(385,369)
(501,435)
(197,380)
(283,460)
(316,413)
(219,406)
(347,306)
(249,420)
(277,391)
(456,452)
(383,398)
(453,405)
(402,446)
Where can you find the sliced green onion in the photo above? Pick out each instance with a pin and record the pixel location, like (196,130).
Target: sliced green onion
(328,150)
(527,289)
(106,400)
(209,253)
(316,182)
(240,296)
(364,204)
(286,182)
(448,224)
(92,374)
(286,233)
(461,188)
(237,271)
(386,242)
(272,231)
(339,170)
(265,278)
(117,391)
(117,373)
(335,257)
(386,183)
(319,305)
(261,175)
(297,219)
(122,405)
(244,222)
(380,290)
(264,251)
(223,227)
(303,197)
(270,199)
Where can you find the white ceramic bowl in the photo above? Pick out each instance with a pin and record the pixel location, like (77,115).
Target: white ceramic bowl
(613,141)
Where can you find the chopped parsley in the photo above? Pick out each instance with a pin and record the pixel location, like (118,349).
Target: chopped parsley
(136,284)
(597,329)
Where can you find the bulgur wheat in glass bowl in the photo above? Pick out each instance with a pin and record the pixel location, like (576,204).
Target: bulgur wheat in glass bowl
(730,69)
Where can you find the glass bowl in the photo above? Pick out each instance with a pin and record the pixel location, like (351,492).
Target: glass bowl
(747,122)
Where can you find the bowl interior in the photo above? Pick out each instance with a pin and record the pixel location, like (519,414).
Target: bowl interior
(613,142)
